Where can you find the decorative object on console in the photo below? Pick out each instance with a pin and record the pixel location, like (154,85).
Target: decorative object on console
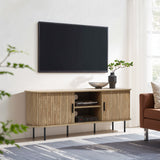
(112,79)
(117,64)
(156,94)
(98,85)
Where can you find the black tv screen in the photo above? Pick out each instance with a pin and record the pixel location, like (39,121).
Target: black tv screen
(72,48)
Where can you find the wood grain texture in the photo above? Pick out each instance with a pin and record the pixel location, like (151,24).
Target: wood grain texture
(49,108)
(55,108)
(124,102)
(79,90)
(117,105)
(99,111)
(107,101)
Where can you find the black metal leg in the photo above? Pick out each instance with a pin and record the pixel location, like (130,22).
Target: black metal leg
(112,126)
(94,125)
(124,126)
(145,134)
(44,134)
(33,133)
(67,134)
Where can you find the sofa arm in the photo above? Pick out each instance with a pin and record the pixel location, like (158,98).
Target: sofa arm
(146,101)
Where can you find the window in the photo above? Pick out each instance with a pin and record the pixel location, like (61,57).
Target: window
(155,47)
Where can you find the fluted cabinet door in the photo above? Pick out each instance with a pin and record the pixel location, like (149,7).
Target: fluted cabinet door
(44,109)
(110,103)
(66,104)
(124,103)
(116,105)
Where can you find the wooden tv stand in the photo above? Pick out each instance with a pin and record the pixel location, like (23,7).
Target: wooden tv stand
(57,107)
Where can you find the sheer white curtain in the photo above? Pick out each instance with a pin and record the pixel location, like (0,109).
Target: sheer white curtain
(139,16)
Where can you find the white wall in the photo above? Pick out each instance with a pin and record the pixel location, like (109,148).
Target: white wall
(18,26)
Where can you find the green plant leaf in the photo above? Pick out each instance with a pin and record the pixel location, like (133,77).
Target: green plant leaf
(17,145)
(12,142)
(2,138)
(119,64)
(12,47)
(15,65)
(24,128)
(8,64)
(6,141)
(3,94)
(1,152)
(6,72)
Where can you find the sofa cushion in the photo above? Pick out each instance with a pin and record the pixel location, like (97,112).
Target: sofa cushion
(152,124)
(152,113)
(156,94)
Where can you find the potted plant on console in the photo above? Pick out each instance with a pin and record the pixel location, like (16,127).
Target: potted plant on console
(117,64)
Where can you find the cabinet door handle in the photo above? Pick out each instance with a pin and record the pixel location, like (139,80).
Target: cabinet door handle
(72,108)
(104,106)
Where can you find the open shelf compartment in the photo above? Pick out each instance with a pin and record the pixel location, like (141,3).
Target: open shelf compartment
(90,112)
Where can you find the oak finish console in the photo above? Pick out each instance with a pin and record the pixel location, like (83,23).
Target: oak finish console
(57,107)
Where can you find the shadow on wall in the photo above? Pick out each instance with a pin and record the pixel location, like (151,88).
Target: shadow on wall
(15,108)
(80,80)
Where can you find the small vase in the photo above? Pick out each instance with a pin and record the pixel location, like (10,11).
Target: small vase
(112,79)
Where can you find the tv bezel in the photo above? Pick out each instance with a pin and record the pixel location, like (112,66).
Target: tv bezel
(71,71)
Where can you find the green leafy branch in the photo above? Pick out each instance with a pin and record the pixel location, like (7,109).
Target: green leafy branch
(6,72)
(117,64)
(3,64)
(10,51)
(17,65)
(7,128)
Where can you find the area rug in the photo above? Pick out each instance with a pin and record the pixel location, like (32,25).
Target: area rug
(102,147)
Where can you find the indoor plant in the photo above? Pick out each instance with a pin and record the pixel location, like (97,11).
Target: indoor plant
(8,128)
(117,64)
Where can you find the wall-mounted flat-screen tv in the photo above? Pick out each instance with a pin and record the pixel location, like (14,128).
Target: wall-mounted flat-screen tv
(72,48)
